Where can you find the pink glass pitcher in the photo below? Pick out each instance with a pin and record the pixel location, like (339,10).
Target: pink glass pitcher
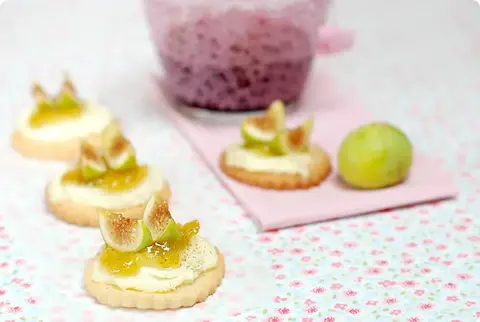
(239,55)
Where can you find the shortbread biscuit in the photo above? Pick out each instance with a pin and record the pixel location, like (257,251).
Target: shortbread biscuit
(68,150)
(319,171)
(185,295)
(85,215)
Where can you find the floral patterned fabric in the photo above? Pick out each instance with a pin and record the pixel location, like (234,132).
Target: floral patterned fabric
(414,264)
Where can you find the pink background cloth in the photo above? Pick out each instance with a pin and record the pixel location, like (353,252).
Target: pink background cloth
(336,113)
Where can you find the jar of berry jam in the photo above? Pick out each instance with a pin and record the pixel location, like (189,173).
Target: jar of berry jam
(235,55)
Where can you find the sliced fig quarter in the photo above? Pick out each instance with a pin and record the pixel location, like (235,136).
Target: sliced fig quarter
(118,151)
(262,129)
(122,233)
(92,165)
(158,219)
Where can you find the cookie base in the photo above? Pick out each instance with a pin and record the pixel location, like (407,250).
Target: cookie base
(86,215)
(66,151)
(183,296)
(319,171)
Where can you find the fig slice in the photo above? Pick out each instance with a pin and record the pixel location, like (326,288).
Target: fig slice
(91,163)
(158,219)
(291,141)
(118,151)
(122,233)
(38,93)
(262,129)
(42,100)
(67,98)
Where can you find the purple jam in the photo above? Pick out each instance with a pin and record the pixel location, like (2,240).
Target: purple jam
(213,64)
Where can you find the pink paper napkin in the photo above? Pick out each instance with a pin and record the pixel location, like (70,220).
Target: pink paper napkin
(336,113)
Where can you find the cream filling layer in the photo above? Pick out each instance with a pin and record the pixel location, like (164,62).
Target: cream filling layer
(98,197)
(93,120)
(199,256)
(295,163)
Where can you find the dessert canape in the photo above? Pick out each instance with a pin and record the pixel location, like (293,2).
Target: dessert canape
(108,178)
(53,128)
(154,262)
(274,157)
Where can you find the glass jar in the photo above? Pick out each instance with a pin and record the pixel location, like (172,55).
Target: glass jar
(235,55)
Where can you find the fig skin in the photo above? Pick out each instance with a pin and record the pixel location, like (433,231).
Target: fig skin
(375,156)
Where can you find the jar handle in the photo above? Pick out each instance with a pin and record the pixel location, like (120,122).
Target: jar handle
(332,40)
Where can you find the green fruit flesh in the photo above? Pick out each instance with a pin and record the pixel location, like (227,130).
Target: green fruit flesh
(375,156)
(131,163)
(123,234)
(170,232)
(123,162)
(252,134)
(91,172)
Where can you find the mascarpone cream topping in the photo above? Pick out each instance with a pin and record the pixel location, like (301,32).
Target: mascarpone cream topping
(97,197)
(294,163)
(93,120)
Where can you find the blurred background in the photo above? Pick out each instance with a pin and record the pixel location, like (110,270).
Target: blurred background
(405,52)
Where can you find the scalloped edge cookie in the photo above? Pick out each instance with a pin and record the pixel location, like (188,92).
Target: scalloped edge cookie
(66,151)
(319,171)
(85,215)
(185,295)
